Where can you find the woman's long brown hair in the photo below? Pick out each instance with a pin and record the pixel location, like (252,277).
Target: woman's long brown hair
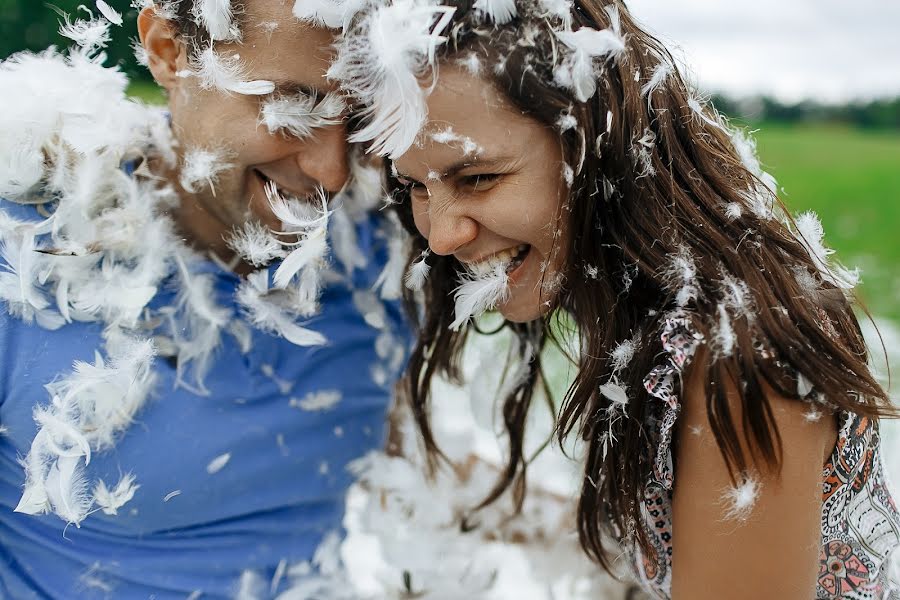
(633,209)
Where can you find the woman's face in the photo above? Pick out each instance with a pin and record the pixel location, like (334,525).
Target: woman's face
(486,184)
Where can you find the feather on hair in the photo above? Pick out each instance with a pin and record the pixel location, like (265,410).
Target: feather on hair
(577,71)
(498,11)
(381,64)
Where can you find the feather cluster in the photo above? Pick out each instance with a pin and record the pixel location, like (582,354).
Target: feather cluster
(88,408)
(431,544)
(381,63)
(99,249)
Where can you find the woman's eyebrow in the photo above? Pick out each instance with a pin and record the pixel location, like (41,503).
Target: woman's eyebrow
(490,163)
(467,163)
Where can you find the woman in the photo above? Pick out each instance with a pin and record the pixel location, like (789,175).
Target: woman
(549,160)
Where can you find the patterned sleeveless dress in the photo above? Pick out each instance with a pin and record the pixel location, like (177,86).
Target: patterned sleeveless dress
(860,522)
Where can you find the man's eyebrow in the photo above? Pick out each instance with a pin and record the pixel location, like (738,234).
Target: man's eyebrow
(295,88)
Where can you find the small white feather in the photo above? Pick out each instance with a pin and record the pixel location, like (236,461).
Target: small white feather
(301,115)
(318,401)
(112,500)
(615,393)
(739,500)
(498,11)
(254,243)
(226,74)
(109,13)
(418,272)
(660,74)
(811,234)
(200,168)
(217,18)
(218,463)
(479,292)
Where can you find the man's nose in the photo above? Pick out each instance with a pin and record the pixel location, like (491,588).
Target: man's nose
(449,228)
(324,157)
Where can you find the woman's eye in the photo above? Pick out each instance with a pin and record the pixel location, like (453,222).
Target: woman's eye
(481,182)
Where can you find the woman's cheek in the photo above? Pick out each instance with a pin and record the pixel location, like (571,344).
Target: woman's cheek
(420,218)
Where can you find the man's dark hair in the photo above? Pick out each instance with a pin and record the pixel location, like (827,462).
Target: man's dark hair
(185,21)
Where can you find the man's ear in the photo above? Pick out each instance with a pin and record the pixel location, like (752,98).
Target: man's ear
(164,48)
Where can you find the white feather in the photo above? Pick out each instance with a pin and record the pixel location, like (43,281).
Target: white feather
(622,354)
(309,251)
(681,276)
(577,71)
(559,9)
(326,13)
(418,272)
(255,244)
(301,115)
(318,401)
(478,293)
(660,74)
(450,137)
(218,463)
(390,280)
(226,74)
(109,13)
(216,16)
(67,490)
(200,168)
(112,500)
(381,64)
(89,35)
(642,154)
(266,313)
(739,500)
(811,234)
(498,11)
(615,393)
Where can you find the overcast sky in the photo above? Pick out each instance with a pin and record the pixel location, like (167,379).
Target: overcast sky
(830,50)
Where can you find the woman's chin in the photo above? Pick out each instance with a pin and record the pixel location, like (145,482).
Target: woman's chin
(521,311)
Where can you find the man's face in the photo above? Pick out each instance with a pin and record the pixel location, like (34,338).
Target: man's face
(275,47)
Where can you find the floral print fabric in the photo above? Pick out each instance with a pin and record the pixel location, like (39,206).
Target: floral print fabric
(860,522)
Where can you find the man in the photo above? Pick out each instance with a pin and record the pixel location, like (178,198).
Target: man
(185,369)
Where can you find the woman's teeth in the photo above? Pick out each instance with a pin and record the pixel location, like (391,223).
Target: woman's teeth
(506,260)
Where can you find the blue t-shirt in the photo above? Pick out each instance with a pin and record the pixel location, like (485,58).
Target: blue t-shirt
(243,480)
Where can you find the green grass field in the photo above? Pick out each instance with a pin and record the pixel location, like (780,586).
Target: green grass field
(851,178)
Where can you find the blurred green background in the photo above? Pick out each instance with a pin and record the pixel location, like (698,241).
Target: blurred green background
(841,161)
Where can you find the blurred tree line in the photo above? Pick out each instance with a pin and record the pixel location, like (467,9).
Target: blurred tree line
(34,25)
(875,114)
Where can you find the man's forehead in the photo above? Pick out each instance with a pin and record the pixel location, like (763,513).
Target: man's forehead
(276,46)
